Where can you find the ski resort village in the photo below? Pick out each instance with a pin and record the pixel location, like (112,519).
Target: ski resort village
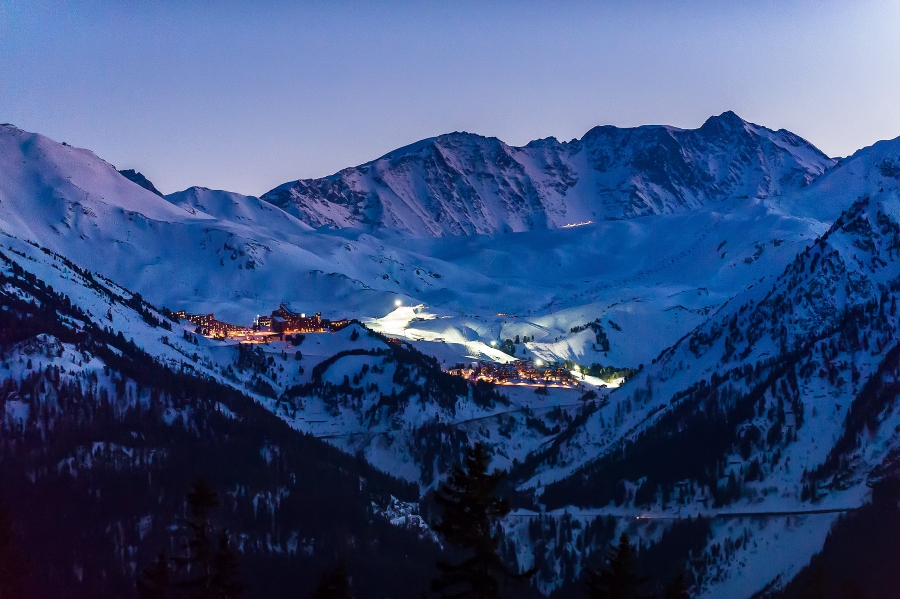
(634,361)
(288,326)
(280,323)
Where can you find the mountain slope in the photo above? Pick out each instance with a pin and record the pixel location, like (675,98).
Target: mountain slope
(214,251)
(100,440)
(464,184)
(784,402)
(764,325)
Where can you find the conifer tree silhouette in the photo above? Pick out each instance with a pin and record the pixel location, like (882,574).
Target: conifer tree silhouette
(200,572)
(678,587)
(851,589)
(334,584)
(618,579)
(156,583)
(224,582)
(817,584)
(471,512)
(197,560)
(13,567)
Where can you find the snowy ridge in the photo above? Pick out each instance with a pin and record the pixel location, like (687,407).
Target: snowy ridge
(755,295)
(464,184)
(85,410)
(791,388)
(238,256)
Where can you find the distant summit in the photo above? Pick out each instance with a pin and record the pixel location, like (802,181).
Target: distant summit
(136,177)
(736,357)
(465,184)
(727,119)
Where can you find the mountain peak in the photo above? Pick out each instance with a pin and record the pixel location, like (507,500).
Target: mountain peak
(727,120)
(462,183)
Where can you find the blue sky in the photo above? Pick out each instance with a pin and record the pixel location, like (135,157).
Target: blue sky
(231,95)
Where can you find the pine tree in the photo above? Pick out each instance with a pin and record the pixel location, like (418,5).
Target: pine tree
(201,572)
(334,584)
(817,584)
(156,583)
(851,589)
(678,588)
(618,579)
(198,559)
(471,512)
(224,582)
(13,567)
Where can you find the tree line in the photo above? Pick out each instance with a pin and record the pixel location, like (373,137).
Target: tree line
(206,564)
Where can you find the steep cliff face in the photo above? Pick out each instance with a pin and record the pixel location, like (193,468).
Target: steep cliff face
(463,184)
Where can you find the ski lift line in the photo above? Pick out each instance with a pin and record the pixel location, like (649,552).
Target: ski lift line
(711,516)
(455,424)
(581,224)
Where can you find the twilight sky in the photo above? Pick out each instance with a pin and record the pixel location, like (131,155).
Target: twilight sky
(228,95)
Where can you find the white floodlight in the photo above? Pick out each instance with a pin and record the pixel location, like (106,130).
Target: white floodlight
(493,344)
(539,362)
(398,302)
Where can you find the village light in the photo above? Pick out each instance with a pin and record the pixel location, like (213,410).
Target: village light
(539,362)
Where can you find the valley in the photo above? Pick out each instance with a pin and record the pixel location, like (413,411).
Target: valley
(707,361)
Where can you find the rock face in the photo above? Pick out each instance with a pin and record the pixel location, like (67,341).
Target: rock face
(139,178)
(464,184)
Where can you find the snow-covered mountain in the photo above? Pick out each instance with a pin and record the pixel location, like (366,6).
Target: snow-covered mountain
(784,402)
(238,256)
(464,184)
(755,297)
(109,409)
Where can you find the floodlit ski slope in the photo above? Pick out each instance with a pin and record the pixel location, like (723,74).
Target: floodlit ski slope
(647,281)
(863,265)
(386,442)
(655,277)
